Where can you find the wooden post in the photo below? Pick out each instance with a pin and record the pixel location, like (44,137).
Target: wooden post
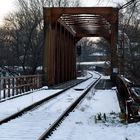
(8,87)
(0,88)
(13,86)
(4,88)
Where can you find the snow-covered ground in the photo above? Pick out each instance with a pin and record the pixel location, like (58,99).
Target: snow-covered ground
(32,124)
(12,106)
(84,123)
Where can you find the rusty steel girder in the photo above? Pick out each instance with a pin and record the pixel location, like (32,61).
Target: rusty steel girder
(64,26)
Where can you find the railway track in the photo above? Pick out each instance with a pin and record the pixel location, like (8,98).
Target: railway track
(41,114)
(34,105)
(53,127)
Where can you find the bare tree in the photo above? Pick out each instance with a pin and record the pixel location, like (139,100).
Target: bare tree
(63,3)
(130,26)
(24,30)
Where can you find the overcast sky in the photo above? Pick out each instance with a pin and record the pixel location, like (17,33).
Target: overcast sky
(101,2)
(8,5)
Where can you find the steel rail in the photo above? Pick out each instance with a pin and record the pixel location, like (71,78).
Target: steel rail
(53,127)
(36,104)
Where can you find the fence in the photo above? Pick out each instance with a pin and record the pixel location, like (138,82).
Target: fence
(13,86)
(127,103)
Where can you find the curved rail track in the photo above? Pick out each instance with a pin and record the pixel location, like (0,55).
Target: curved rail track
(32,106)
(46,115)
(53,127)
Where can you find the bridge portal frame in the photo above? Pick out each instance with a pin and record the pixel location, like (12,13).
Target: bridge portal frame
(63,27)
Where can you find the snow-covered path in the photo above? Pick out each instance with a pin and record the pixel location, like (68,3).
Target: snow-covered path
(32,124)
(82,125)
(12,106)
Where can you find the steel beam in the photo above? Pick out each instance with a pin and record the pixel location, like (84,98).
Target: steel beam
(58,11)
(63,27)
(113,42)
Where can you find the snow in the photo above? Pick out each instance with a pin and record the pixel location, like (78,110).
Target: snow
(82,125)
(93,63)
(12,106)
(86,75)
(108,99)
(98,54)
(32,124)
(88,82)
(105,77)
(79,125)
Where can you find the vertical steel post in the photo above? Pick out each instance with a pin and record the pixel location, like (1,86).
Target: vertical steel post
(49,50)
(58,54)
(113,42)
(71,61)
(68,57)
(65,55)
(74,59)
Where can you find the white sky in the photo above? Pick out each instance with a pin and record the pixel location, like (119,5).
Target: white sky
(101,2)
(7,5)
